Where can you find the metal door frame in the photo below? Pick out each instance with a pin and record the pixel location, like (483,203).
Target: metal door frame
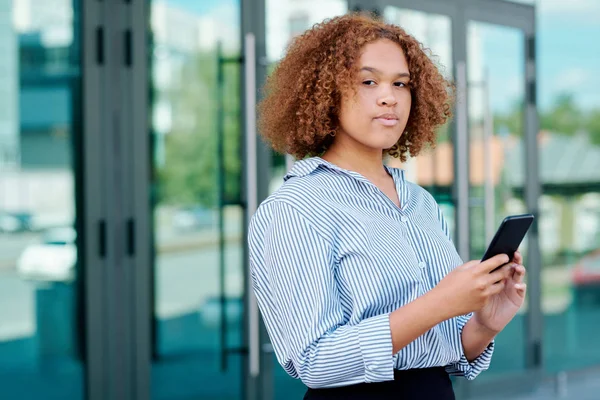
(118,236)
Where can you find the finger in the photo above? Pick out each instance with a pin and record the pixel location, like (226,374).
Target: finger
(501,273)
(518,257)
(497,287)
(519,273)
(521,289)
(471,264)
(494,262)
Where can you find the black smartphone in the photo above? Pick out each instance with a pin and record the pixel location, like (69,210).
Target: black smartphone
(509,236)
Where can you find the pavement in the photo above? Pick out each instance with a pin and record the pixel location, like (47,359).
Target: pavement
(577,385)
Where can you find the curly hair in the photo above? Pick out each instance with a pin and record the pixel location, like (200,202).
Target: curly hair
(299,111)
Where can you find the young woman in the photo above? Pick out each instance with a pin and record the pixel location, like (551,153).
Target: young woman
(360,286)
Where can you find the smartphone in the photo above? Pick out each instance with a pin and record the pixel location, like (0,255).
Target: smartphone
(509,236)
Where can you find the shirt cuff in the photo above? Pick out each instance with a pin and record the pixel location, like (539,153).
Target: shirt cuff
(463,367)
(375,340)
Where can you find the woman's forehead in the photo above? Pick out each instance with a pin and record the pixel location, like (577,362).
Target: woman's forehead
(383,56)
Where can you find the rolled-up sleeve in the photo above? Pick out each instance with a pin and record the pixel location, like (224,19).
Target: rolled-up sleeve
(463,367)
(292,269)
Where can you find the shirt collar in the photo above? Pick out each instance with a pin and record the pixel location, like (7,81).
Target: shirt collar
(304,167)
(308,165)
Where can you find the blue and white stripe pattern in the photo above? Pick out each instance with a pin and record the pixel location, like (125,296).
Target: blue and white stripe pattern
(331,257)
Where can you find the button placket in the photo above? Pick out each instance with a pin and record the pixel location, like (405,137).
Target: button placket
(425,278)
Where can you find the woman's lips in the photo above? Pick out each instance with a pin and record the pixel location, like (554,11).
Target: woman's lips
(387,121)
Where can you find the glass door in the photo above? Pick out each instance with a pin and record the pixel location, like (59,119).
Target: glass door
(54,200)
(496,84)
(502,169)
(197,276)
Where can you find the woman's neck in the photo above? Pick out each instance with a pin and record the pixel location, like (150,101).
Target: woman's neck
(367,162)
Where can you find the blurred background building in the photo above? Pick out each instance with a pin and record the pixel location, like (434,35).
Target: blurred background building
(129,165)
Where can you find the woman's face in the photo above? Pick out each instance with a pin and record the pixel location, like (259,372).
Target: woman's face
(376,116)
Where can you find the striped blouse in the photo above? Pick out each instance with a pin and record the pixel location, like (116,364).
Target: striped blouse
(331,257)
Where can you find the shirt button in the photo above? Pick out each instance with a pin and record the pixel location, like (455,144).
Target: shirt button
(403,218)
(422,264)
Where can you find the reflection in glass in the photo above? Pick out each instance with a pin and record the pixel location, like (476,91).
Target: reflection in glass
(40,348)
(198,217)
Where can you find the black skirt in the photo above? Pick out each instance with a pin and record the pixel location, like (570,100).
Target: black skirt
(413,384)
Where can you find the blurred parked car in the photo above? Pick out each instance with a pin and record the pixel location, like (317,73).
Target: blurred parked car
(52,260)
(194,218)
(586,280)
(13,221)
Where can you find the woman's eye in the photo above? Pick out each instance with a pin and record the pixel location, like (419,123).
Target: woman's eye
(369,82)
(400,84)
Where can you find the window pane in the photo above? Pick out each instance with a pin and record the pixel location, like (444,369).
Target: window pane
(198,216)
(496,82)
(40,296)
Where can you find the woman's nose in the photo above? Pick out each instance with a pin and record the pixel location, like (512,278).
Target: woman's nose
(387,98)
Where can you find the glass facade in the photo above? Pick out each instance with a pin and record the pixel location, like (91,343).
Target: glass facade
(197,83)
(41,337)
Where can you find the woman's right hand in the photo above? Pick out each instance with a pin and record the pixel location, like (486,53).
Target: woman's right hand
(469,287)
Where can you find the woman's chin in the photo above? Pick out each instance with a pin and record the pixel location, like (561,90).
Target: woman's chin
(386,142)
(382,146)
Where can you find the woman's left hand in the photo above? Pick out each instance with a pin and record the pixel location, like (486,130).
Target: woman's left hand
(501,308)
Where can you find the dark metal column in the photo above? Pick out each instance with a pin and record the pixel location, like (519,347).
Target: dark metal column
(535,329)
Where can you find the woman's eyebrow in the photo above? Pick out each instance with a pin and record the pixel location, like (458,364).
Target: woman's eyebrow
(376,71)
